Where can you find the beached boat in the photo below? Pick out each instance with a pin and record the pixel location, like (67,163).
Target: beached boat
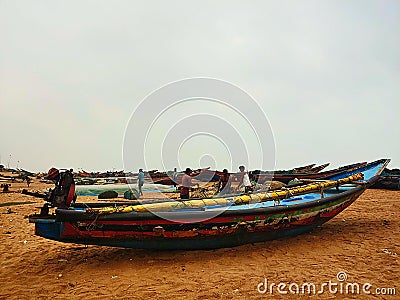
(209,223)
(286,177)
(319,168)
(206,175)
(304,169)
(210,175)
(389,182)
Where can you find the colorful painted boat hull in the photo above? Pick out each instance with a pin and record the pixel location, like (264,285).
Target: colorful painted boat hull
(251,228)
(199,229)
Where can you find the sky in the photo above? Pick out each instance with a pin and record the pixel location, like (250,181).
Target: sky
(326,74)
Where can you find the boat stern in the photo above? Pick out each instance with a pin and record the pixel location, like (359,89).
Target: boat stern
(47,228)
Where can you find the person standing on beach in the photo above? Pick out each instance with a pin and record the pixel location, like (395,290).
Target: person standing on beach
(175,177)
(224,184)
(244,180)
(186,184)
(140,181)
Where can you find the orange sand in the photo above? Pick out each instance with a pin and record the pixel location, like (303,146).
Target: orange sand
(363,241)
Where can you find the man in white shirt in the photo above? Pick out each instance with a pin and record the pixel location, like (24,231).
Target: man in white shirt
(244,180)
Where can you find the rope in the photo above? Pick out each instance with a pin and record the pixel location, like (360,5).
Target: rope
(92,226)
(321,189)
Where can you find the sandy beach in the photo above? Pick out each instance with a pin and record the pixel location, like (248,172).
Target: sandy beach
(363,242)
(106,94)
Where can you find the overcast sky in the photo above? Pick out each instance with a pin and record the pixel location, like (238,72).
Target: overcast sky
(326,73)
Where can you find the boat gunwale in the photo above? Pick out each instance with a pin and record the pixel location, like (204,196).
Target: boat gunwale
(76,215)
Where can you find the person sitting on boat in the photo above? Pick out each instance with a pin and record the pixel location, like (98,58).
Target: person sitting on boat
(140,181)
(186,184)
(224,184)
(244,180)
(64,191)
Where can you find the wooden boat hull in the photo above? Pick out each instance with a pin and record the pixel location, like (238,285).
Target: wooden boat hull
(222,231)
(387,183)
(285,178)
(166,181)
(318,169)
(201,229)
(207,175)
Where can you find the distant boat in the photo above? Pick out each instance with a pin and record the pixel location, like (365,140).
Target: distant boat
(318,169)
(389,180)
(286,177)
(165,179)
(387,183)
(207,175)
(304,169)
(209,223)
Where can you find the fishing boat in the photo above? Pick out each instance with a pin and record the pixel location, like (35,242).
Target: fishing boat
(287,177)
(207,175)
(210,175)
(319,168)
(304,169)
(388,182)
(167,179)
(209,223)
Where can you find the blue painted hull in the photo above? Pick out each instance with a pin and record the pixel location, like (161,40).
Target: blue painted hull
(235,226)
(280,225)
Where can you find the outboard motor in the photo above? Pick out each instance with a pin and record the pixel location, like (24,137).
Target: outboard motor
(64,191)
